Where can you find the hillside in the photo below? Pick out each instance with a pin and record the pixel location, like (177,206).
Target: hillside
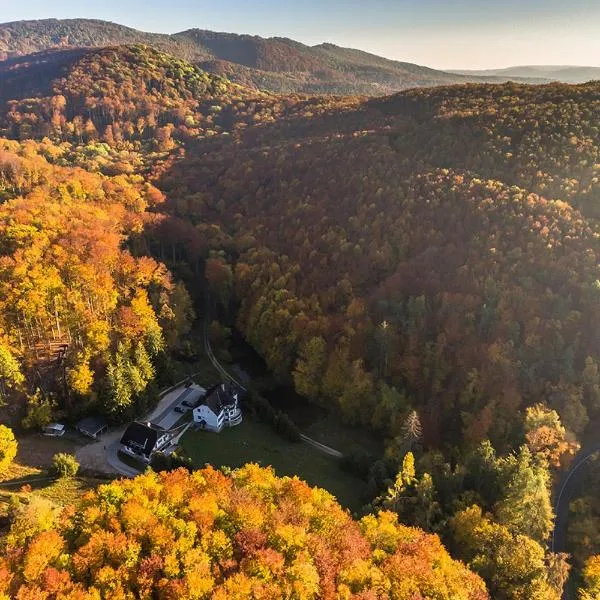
(564,74)
(447,214)
(27,37)
(273,64)
(115,94)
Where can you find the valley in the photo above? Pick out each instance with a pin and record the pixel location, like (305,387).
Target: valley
(408,276)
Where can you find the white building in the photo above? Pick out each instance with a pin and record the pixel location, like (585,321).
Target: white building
(218,409)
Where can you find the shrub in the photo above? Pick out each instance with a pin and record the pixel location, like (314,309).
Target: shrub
(64,465)
(170,462)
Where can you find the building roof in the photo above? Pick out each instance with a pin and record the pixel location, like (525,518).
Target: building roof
(92,425)
(219,396)
(54,427)
(141,436)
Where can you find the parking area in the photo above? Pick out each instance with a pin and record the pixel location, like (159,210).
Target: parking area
(165,414)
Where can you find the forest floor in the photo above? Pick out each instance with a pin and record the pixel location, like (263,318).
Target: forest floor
(256,442)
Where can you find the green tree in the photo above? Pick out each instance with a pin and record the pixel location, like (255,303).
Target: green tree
(118,377)
(40,411)
(64,465)
(526,507)
(482,473)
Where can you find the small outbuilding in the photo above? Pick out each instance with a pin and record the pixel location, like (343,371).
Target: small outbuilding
(54,430)
(93,427)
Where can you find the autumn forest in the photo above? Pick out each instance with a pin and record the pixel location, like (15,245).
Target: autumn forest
(423,267)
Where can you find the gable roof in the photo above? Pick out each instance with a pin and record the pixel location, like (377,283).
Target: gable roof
(141,436)
(220,396)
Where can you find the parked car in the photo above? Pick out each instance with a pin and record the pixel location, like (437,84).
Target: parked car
(179,409)
(189,403)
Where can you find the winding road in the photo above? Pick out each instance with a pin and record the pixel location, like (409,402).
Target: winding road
(568,485)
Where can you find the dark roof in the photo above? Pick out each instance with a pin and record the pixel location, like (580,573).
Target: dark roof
(219,396)
(141,436)
(92,425)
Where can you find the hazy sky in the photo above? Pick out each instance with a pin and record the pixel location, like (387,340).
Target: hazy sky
(437,33)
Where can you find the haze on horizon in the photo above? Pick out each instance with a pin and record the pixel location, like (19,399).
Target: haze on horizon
(445,34)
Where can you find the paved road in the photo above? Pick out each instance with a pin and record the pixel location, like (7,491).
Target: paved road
(568,485)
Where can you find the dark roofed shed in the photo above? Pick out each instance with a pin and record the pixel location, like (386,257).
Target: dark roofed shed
(92,426)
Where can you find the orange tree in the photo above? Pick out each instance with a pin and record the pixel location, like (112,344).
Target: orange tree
(205,534)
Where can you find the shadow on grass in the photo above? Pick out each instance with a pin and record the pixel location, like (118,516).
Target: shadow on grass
(35,481)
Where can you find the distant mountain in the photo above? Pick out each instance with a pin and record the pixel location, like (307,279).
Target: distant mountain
(26,37)
(564,74)
(271,64)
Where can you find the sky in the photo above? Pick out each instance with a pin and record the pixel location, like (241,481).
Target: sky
(446,34)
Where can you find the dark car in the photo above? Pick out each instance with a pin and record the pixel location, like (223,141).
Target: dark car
(189,403)
(179,409)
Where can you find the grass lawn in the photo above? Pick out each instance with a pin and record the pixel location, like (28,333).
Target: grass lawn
(25,483)
(331,431)
(256,442)
(68,490)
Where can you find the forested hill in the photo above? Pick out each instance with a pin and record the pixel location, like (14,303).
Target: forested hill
(26,37)
(273,64)
(114,94)
(566,74)
(447,215)
(544,138)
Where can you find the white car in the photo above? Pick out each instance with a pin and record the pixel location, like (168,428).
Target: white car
(54,430)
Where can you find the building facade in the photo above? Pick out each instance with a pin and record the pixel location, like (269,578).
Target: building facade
(218,409)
